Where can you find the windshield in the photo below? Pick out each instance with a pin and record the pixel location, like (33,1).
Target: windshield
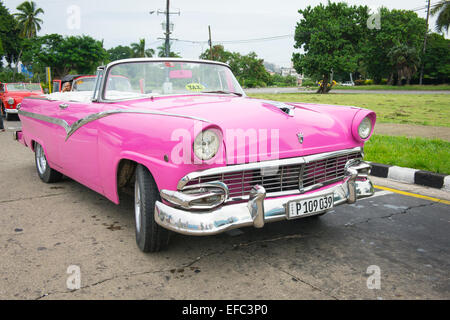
(140,79)
(33,86)
(15,87)
(84,84)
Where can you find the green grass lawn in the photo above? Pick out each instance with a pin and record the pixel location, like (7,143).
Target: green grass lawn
(386,87)
(425,109)
(425,154)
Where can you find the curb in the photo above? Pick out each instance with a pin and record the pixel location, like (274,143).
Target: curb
(411,176)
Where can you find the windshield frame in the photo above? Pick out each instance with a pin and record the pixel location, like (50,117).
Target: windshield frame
(102,89)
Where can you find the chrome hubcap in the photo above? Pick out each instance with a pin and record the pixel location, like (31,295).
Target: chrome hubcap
(137,205)
(41,160)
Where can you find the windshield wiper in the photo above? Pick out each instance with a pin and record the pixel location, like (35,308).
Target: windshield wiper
(224,92)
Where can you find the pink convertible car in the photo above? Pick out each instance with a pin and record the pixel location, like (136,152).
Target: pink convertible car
(198,155)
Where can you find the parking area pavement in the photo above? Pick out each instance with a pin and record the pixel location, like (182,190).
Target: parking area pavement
(44,229)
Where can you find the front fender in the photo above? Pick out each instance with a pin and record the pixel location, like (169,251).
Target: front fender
(144,139)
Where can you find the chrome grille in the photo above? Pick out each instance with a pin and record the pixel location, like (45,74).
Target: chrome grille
(284,178)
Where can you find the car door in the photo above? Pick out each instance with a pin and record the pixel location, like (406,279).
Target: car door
(79,151)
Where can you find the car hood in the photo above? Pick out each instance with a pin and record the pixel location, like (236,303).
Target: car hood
(310,129)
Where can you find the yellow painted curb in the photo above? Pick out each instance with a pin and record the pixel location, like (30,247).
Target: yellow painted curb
(413,195)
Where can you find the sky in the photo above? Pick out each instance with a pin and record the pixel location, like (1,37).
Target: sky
(121,22)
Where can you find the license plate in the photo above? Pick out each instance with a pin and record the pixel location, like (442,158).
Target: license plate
(299,208)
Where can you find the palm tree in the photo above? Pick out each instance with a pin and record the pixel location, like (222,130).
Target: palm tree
(139,50)
(28,19)
(442,9)
(404,61)
(162,51)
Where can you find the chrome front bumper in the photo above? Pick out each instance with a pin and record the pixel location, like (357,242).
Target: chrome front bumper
(11,111)
(259,210)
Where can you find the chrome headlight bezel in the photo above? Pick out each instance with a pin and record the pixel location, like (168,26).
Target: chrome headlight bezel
(206,144)
(11,101)
(361,130)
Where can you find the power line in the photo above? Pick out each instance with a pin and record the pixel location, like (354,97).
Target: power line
(241,40)
(425,7)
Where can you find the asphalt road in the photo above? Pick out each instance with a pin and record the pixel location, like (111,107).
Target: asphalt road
(44,229)
(302,90)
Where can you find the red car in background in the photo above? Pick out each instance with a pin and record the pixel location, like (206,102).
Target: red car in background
(12,94)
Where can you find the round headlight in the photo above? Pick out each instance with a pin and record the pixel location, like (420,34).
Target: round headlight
(11,101)
(365,128)
(206,145)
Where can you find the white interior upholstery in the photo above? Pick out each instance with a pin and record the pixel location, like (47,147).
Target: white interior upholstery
(76,96)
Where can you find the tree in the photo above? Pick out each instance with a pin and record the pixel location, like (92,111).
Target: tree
(139,50)
(28,19)
(248,69)
(437,59)
(405,61)
(331,37)
(9,35)
(77,54)
(162,51)
(442,9)
(218,54)
(399,28)
(120,52)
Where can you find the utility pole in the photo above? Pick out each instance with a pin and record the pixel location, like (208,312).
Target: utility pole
(424,44)
(168,27)
(210,44)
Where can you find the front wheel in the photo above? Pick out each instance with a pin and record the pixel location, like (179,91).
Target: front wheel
(150,237)
(47,174)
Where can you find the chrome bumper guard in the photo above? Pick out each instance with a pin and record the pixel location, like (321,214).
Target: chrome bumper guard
(259,210)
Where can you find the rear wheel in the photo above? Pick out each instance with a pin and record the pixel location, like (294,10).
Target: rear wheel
(47,174)
(150,236)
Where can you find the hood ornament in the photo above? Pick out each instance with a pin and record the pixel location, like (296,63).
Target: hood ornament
(286,108)
(300,137)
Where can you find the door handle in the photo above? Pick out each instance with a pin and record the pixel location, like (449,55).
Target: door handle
(63,106)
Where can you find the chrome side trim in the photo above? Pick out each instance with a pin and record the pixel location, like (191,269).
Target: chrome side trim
(264,164)
(96,116)
(37,116)
(71,129)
